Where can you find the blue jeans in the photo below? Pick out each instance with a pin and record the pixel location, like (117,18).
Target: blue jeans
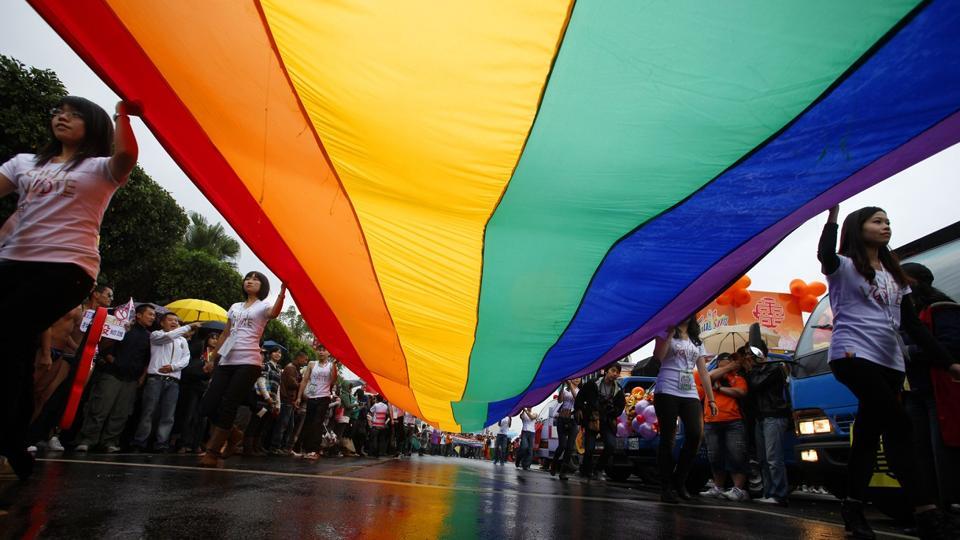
(525,454)
(501,452)
(567,430)
(769,435)
(283,430)
(159,399)
(727,446)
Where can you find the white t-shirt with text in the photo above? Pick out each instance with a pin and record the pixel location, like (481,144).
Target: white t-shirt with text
(59,212)
(318,386)
(246,329)
(677,367)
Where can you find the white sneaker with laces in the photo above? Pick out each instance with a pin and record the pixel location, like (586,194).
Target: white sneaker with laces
(766,500)
(32,449)
(736,494)
(54,444)
(82,448)
(713,493)
(111,449)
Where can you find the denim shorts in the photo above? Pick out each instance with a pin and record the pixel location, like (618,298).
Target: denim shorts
(727,446)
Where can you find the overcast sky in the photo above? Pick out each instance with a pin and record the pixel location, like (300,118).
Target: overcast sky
(919,200)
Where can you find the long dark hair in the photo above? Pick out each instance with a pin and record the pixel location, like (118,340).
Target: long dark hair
(97,138)
(693,331)
(264,284)
(924,293)
(853,246)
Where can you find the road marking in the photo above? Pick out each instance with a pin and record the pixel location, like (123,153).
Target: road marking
(400,483)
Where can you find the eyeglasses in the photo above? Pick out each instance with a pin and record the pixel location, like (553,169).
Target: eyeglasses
(57,111)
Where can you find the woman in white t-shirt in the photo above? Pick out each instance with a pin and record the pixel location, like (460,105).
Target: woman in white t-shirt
(870,299)
(680,354)
(566,428)
(48,248)
(238,363)
(317,387)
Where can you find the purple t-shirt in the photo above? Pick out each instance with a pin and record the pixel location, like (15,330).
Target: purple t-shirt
(866,316)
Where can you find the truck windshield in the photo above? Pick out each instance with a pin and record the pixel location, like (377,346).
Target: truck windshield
(814,341)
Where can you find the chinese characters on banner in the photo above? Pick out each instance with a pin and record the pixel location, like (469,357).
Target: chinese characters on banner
(766,308)
(116,325)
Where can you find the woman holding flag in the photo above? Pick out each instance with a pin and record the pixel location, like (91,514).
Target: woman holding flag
(49,247)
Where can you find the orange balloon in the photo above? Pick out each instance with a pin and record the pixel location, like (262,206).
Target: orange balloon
(817,288)
(797,287)
(807,303)
(741,297)
(793,308)
(637,390)
(742,283)
(724,299)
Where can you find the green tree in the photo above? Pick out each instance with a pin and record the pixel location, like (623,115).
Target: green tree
(194,274)
(140,231)
(26,96)
(296,324)
(210,238)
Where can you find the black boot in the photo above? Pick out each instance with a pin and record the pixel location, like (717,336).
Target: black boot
(853,520)
(21,462)
(667,495)
(681,489)
(936,525)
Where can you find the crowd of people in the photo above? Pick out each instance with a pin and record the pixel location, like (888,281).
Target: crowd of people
(169,386)
(881,338)
(157,391)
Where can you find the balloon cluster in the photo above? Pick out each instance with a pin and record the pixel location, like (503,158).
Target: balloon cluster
(737,295)
(803,296)
(639,415)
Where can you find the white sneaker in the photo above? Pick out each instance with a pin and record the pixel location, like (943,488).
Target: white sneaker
(32,449)
(82,448)
(736,494)
(111,449)
(54,444)
(713,493)
(766,500)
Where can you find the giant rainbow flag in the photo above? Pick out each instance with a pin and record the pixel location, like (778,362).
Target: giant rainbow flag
(474,200)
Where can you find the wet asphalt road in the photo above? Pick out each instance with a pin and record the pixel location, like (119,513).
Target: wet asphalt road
(166,496)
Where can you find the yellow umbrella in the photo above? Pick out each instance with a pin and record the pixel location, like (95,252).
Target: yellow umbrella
(192,309)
